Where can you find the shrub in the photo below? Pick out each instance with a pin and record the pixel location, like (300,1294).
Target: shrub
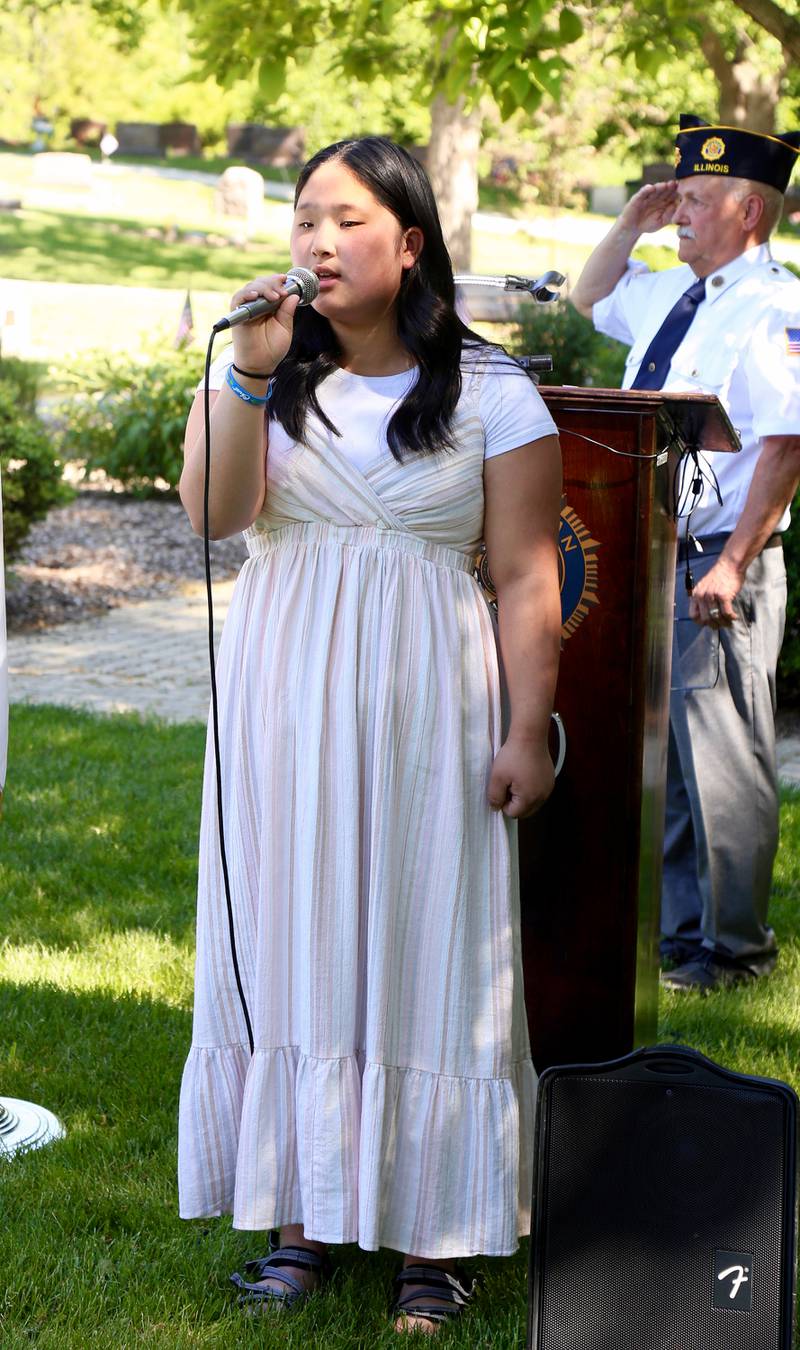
(23,378)
(31,471)
(128,418)
(580,355)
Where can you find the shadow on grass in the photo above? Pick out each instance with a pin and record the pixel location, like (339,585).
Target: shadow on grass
(91,1247)
(100,827)
(48,245)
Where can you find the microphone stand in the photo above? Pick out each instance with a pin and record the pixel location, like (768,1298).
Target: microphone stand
(539,288)
(543,290)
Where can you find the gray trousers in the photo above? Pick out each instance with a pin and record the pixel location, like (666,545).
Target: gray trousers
(722,786)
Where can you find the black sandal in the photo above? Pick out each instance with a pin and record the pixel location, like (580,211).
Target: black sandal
(254,1296)
(439,1284)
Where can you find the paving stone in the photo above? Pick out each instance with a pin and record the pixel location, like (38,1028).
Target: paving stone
(150,658)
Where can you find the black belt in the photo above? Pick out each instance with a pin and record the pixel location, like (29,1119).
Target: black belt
(715,543)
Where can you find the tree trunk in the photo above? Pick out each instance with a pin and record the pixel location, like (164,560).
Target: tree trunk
(782,25)
(748,97)
(452,165)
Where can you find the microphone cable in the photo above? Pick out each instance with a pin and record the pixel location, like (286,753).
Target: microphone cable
(214,699)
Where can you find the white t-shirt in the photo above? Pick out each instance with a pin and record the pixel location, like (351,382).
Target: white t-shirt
(510,407)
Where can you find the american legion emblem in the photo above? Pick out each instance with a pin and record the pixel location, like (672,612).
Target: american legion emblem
(713,148)
(577,571)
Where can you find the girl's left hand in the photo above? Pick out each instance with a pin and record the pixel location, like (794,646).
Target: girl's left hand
(522,778)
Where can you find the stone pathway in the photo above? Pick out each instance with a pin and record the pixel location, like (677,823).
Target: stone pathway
(152,658)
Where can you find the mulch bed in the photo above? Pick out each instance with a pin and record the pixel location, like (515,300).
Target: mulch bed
(103,550)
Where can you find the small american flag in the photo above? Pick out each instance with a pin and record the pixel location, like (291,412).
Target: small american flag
(185,333)
(793,341)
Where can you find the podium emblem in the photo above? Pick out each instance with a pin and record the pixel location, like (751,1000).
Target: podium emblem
(577,571)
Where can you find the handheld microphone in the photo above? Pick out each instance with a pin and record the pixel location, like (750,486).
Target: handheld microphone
(299,281)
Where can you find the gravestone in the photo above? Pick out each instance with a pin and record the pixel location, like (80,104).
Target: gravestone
(182,138)
(279,147)
(608,201)
(86,131)
(240,194)
(661,171)
(139,138)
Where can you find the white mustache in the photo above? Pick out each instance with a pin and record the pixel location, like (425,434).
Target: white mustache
(685,232)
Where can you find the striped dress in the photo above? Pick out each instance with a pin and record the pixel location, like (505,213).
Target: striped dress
(390,1097)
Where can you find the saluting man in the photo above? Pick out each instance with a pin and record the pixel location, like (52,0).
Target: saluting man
(726,322)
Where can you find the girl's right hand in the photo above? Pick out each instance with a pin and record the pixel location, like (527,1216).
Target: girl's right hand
(261,344)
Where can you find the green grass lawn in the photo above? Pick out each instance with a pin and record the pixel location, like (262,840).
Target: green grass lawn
(56,246)
(97,873)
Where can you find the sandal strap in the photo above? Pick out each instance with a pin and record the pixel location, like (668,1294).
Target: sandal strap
(303,1257)
(446,1285)
(257,1293)
(271,1267)
(451,1293)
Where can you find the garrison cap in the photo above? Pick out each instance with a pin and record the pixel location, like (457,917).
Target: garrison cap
(703,147)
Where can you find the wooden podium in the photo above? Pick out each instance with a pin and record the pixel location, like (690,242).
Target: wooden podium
(590,861)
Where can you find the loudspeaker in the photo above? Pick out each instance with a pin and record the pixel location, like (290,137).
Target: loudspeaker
(664,1207)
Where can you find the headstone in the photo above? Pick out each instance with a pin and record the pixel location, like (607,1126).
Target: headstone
(608,201)
(280,147)
(54,168)
(182,138)
(139,138)
(661,171)
(86,131)
(240,193)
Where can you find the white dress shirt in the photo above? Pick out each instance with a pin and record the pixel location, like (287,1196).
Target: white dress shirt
(738,347)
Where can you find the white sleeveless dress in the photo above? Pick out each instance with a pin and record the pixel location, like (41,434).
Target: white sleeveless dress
(390,1097)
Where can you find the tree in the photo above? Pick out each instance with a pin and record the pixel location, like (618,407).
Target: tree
(512,50)
(783,26)
(749,60)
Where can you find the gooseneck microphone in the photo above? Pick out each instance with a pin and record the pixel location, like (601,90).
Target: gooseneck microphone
(539,287)
(299,281)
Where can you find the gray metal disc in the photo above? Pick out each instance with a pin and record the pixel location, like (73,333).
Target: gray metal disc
(24,1125)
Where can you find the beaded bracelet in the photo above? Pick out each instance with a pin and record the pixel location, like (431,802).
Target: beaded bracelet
(244,394)
(252,374)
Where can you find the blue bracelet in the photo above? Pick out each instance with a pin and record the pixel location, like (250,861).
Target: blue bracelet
(244,394)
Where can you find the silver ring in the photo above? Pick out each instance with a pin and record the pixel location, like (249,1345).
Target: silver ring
(714,612)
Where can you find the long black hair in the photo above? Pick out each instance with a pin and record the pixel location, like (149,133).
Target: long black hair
(427,323)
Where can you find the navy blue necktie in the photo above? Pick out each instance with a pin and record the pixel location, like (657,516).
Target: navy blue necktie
(655,363)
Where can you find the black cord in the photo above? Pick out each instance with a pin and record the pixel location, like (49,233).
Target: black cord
(214,704)
(685,495)
(623,454)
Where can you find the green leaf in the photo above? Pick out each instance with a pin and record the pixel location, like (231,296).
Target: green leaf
(507,102)
(498,67)
(477,33)
(570,27)
(547,75)
(519,82)
(271,80)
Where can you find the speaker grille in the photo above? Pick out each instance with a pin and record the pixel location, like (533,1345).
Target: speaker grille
(643,1184)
